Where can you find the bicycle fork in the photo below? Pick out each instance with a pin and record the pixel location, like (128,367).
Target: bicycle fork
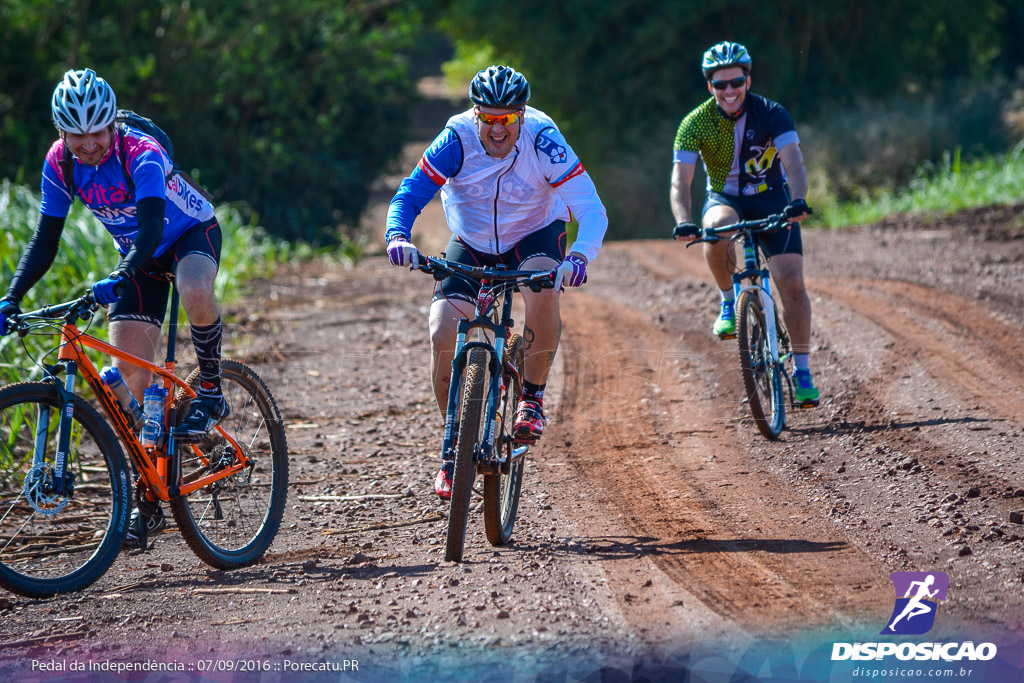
(49,486)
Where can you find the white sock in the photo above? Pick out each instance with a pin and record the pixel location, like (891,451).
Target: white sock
(726,294)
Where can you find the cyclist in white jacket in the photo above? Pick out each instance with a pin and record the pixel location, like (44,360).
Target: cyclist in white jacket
(509,183)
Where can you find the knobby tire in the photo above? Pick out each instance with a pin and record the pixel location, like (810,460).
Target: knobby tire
(762,378)
(470,420)
(231,523)
(502,491)
(42,555)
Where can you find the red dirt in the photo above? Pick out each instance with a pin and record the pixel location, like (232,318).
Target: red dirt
(654,516)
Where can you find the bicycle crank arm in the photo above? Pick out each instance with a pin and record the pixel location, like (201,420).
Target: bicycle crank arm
(517,455)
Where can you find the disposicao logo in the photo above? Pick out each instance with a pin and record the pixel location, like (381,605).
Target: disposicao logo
(914,612)
(917,597)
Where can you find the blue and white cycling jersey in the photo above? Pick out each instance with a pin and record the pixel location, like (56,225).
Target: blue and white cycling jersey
(104,189)
(492,204)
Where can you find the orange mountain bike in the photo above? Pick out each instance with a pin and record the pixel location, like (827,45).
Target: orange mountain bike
(66,490)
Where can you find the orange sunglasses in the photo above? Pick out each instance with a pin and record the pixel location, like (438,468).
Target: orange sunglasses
(503,119)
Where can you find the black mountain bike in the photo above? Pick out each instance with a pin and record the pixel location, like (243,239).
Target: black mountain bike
(487,382)
(766,355)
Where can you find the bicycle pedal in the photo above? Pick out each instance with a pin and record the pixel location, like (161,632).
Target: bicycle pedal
(730,335)
(487,468)
(807,405)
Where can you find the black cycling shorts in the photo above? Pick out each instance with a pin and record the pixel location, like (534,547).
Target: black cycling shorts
(755,206)
(548,241)
(145,297)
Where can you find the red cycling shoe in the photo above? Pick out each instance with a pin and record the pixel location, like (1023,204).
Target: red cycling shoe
(443,482)
(529,424)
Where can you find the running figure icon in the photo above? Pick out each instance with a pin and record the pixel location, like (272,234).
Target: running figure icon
(915,607)
(917,594)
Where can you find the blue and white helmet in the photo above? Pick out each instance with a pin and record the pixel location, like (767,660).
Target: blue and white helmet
(723,55)
(83,103)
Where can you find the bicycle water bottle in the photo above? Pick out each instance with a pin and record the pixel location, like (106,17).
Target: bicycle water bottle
(112,377)
(153,406)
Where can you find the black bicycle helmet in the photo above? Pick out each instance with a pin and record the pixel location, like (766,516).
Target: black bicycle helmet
(499,86)
(725,54)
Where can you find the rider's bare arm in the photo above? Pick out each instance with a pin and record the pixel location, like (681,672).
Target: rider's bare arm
(682,178)
(796,174)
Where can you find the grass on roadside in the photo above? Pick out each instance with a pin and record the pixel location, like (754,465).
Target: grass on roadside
(947,187)
(87,254)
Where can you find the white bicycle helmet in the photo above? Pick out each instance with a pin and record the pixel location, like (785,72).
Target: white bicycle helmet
(83,103)
(723,55)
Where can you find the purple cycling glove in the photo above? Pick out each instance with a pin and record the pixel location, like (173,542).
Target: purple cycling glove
(572,272)
(402,252)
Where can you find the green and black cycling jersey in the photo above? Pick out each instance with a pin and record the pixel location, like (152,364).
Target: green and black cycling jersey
(740,156)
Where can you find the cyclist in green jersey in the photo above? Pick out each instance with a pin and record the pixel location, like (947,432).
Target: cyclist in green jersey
(741,139)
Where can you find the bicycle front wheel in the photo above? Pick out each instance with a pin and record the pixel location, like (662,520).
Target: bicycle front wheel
(762,376)
(471,420)
(231,523)
(502,490)
(57,541)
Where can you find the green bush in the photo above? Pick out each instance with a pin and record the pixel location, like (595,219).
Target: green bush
(292,108)
(619,75)
(87,254)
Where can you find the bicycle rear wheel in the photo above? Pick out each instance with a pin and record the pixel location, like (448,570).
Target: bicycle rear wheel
(231,523)
(502,490)
(471,422)
(762,376)
(57,541)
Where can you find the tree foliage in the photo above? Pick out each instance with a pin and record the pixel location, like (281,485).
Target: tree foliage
(618,75)
(293,108)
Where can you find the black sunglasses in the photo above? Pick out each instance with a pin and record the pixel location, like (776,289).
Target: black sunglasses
(736,83)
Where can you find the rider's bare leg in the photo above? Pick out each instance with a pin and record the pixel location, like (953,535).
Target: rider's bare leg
(788,273)
(140,339)
(444,321)
(543,326)
(717,254)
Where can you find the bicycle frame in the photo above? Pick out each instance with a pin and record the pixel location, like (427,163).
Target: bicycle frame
(485,311)
(760,280)
(73,359)
(759,277)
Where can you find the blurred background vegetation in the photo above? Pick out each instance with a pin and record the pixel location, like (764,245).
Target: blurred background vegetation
(291,110)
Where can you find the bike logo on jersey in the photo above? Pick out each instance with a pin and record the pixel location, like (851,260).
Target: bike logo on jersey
(111,215)
(555,151)
(917,596)
(763,158)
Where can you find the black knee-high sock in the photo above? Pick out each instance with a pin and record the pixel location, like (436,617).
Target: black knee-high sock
(533,392)
(207,341)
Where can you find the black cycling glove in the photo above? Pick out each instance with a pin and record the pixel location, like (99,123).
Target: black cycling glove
(685,230)
(797,207)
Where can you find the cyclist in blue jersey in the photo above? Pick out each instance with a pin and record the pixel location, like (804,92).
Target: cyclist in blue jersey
(741,139)
(162,226)
(509,182)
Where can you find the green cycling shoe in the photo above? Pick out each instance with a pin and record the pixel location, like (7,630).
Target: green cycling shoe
(725,326)
(804,392)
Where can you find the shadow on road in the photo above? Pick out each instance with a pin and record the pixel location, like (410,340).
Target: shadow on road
(624,547)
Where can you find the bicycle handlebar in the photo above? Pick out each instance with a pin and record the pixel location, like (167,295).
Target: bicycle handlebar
(80,308)
(442,267)
(753,227)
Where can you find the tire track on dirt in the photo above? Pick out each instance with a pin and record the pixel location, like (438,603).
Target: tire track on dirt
(728,535)
(963,344)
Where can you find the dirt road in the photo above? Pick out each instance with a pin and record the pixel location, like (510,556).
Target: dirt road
(656,523)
